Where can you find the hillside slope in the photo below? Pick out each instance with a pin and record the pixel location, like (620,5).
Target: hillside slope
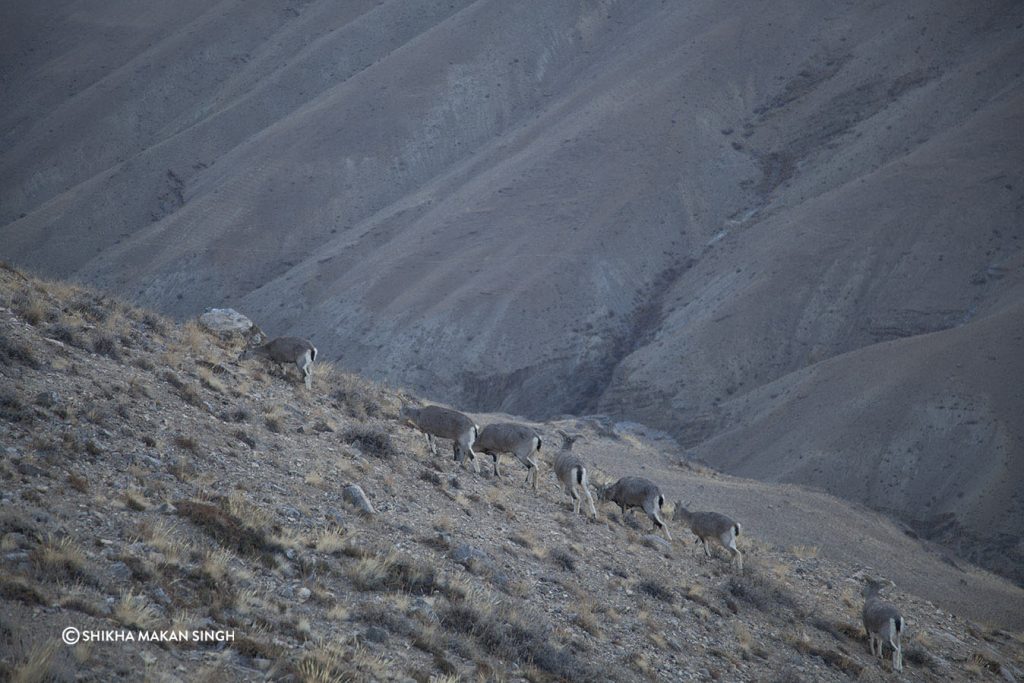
(152,482)
(884,425)
(644,209)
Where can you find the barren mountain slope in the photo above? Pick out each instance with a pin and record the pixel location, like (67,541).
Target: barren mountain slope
(645,209)
(928,428)
(152,482)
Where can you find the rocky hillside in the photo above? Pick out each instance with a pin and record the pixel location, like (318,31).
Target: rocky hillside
(665,212)
(152,482)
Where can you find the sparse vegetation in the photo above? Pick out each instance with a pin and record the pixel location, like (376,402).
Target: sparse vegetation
(259,540)
(355,396)
(61,560)
(371,440)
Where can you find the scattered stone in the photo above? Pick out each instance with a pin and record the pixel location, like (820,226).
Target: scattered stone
(477,561)
(322,426)
(353,495)
(166,509)
(121,571)
(303,594)
(225,321)
(47,399)
(375,634)
(425,606)
(160,595)
(30,470)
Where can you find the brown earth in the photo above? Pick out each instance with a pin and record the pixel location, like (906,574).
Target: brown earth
(150,481)
(665,212)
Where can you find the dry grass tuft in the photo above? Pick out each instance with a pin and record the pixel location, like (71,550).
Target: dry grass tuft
(359,398)
(211,381)
(329,663)
(586,620)
(656,589)
(134,611)
(273,418)
(13,352)
(164,538)
(18,588)
(187,443)
(762,591)
(507,633)
(523,539)
(332,540)
(38,665)
(562,558)
(394,572)
(228,530)
(804,552)
(61,560)
(135,500)
(833,658)
(371,440)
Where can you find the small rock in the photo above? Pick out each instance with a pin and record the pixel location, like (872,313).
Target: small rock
(121,571)
(375,634)
(47,399)
(423,606)
(353,495)
(160,595)
(166,509)
(322,426)
(30,470)
(225,321)
(303,594)
(475,560)
(286,592)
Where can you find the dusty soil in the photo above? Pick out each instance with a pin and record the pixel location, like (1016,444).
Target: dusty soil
(151,481)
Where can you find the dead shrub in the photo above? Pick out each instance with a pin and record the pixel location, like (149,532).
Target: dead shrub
(762,592)
(359,398)
(562,558)
(12,409)
(506,633)
(372,440)
(187,443)
(656,589)
(18,588)
(30,307)
(228,530)
(61,560)
(105,345)
(394,572)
